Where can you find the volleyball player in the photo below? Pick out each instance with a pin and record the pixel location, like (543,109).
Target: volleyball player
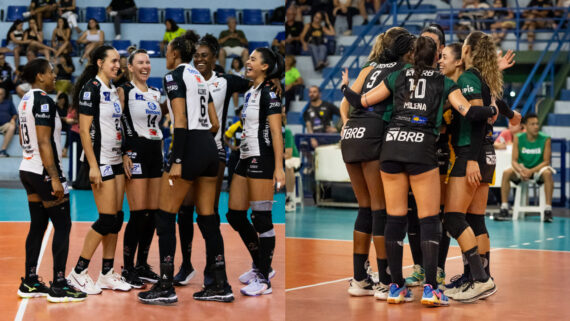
(193,163)
(259,169)
(42,176)
(142,161)
(419,93)
(100,115)
(360,145)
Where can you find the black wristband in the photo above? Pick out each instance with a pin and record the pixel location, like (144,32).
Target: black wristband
(504,109)
(178,144)
(477,113)
(352,97)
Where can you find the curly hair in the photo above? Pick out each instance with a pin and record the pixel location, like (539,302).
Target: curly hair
(484,57)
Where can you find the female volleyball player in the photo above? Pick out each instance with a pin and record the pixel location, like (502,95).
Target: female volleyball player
(193,163)
(42,176)
(101,136)
(142,161)
(419,94)
(360,145)
(260,168)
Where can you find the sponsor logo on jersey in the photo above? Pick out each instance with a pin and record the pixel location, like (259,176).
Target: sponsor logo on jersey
(117,108)
(198,79)
(534,151)
(491,159)
(151,105)
(354,133)
(169,78)
(404,136)
(216,84)
(43,94)
(95,83)
(254,160)
(247,96)
(106,170)
(44,108)
(193,71)
(170,88)
(26,96)
(139,97)
(42,116)
(87,95)
(24,105)
(84,103)
(107,95)
(272,95)
(136,169)
(417,106)
(202,91)
(419,120)
(467,89)
(425,73)
(275,105)
(152,132)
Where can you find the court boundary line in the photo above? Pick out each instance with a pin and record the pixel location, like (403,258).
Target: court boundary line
(24,302)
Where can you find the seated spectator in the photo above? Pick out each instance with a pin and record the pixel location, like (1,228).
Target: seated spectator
(473,19)
(63,70)
(506,136)
(293,81)
(293,30)
(119,9)
(172,31)
(559,14)
(232,42)
(318,116)
(60,38)
(40,9)
(6,74)
(15,39)
(34,37)
(92,38)
(278,43)
(322,6)
(536,19)
(237,69)
(292,164)
(66,10)
(366,6)
(302,7)
(530,161)
(504,20)
(313,39)
(345,8)
(8,115)
(75,147)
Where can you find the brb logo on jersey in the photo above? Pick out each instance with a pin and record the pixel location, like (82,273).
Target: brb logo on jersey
(354,133)
(404,136)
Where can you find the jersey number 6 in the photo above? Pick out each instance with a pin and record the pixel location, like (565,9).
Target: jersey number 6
(202,106)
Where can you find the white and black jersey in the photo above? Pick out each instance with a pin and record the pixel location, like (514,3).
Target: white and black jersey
(102,102)
(187,82)
(37,109)
(141,113)
(222,87)
(260,102)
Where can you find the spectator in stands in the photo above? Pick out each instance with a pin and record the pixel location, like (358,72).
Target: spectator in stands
(232,42)
(40,9)
(293,30)
(62,109)
(92,38)
(293,81)
(22,87)
(60,38)
(506,136)
(172,31)
(530,161)
(236,69)
(6,74)
(75,147)
(365,6)
(63,70)
(15,38)
(301,7)
(322,5)
(559,14)
(503,21)
(318,116)
(8,115)
(536,19)
(34,36)
(292,164)
(313,38)
(473,19)
(345,8)
(119,9)
(66,10)
(278,43)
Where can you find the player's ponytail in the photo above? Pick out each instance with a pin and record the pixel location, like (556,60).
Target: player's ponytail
(275,62)
(90,71)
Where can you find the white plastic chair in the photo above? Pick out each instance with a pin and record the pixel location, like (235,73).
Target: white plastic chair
(521,204)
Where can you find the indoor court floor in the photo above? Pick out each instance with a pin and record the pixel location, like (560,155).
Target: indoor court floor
(14,224)
(530,262)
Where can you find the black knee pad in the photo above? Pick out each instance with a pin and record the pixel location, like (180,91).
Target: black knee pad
(477,223)
(395,228)
(263,224)
(105,224)
(165,223)
(363,221)
(119,218)
(455,223)
(378,222)
(237,219)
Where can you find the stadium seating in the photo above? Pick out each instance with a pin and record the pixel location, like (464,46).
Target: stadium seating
(222,15)
(257,44)
(252,17)
(121,46)
(148,15)
(97,13)
(176,14)
(155,82)
(200,16)
(151,46)
(15,12)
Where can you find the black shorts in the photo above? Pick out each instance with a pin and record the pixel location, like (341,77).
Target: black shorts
(41,185)
(200,156)
(261,167)
(109,171)
(146,155)
(443,154)
(406,145)
(362,139)
(486,160)
(222,154)
(393,167)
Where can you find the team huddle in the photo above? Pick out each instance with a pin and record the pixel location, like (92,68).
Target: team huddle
(435,162)
(122,152)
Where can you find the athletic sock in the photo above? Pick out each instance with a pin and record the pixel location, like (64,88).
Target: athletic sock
(166,230)
(107,265)
(395,233)
(215,261)
(359,261)
(477,271)
(414,236)
(239,222)
(383,271)
(186,231)
(131,238)
(466,267)
(38,225)
(504,206)
(431,234)
(81,265)
(486,259)
(148,224)
(61,220)
(266,241)
(443,244)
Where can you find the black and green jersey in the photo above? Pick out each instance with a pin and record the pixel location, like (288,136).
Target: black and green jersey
(472,87)
(531,153)
(418,103)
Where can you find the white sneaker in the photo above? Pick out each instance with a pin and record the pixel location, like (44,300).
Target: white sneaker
(476,290)
(381,291)
(361,288)
(118,37)
(250,275)
(113,13)
(112,281)
(258,286)
(374,276)
(83,282)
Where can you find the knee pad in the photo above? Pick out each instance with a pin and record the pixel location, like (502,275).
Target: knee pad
(262,223)
(477,223)
(378,222)
(363,221)
(455,223)
(104,224)
(237,219)
(119,218)
(261,206)
(165,223)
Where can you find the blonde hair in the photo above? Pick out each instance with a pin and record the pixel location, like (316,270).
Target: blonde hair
(377,48)
(484,57)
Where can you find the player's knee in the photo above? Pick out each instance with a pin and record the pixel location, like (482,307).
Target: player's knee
(455,223)
(104,224)
(118,222)
(237,219)
(261,217)
(363,223)
(477,223)
(378,222)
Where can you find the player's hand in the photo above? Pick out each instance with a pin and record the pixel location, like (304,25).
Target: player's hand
(175,171)
(345,79)
(473,173)
(127,166)
(57,189)
(278,178)
(95,176)
(516,120)
(506,61)
(314,143)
